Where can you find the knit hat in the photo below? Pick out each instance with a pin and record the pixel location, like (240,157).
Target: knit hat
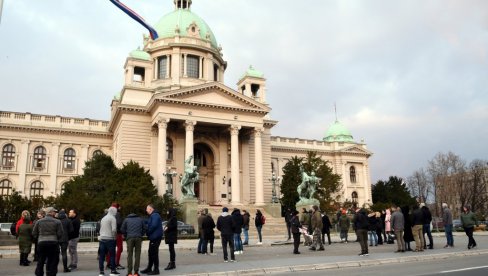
(225,209)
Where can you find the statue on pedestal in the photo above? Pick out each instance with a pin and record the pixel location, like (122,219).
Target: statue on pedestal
(307,188)
(190,176)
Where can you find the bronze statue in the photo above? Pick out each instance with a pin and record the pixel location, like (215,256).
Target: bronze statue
(190,176)
(308,187)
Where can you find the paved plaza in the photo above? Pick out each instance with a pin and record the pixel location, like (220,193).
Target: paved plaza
(264,259)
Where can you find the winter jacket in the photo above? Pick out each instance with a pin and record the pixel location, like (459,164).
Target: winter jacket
(387,220)
(288,217)
(245,220)
(238,221)
(200,219)
(208,228)
(225,224)
(154,228)
(171,228)
(133,227)
(295,225)
(468,220)
(47,229)
(417,217)
(108,225)
(67,226)
(361,220)
(258,220)
(344,223)
(76,228)
(447,216)
(305,219)
(317,220)
(325,224)
(397,221)
(25,238)
(372,222)
(426,215)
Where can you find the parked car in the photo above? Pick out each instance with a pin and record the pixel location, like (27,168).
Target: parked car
(5,226)
(88,229)
(456,224)
(183,228)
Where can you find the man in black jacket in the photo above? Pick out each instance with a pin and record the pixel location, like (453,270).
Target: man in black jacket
(417,219)
(74,237)
(226,227)
(361,224)
(238,223)
(288,217)
(426,227)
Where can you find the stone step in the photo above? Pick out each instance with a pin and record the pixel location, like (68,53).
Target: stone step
(6,239)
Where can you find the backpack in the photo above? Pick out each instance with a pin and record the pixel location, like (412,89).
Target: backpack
(12,229)
(263,219)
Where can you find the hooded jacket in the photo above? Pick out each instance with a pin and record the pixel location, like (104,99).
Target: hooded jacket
(108,225)
(361,220)
(225,224)
(67,226)
(171,228)
(133,227)
(238,221)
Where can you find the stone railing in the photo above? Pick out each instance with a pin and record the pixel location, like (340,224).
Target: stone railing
(28,119)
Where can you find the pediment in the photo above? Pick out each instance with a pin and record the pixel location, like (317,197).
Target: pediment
(212,95)
(357,150)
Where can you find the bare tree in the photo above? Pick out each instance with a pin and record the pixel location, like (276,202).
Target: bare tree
(478,174)
(420,186)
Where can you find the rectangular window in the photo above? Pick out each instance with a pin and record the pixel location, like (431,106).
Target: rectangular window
(193,66)
(162,65)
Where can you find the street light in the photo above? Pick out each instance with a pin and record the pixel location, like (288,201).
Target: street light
(169,174)
(274,198)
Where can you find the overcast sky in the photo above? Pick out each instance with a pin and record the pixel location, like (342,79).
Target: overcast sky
(408,77)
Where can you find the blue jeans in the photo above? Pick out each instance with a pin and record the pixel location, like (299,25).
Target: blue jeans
(373,237)
(449,237)
(237,242)
(426,230)
(106,247)
(246,235)
(259,233)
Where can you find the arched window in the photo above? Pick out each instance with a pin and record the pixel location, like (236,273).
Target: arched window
(8,156)
(169,149)
(36,189)
(39,158)
(352,174)
(354,196)
(69,159)
(5,187)
(97,152)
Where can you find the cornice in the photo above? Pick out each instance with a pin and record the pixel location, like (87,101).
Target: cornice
(55,130)
(123,108)
(328,152)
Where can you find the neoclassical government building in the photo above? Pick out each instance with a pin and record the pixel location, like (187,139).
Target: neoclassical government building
(174,104)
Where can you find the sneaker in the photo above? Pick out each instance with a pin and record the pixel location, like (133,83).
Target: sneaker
(114,273)
(233,261)
(361,254)
(101,273)
(119,267)
(365,254)
(226,261)
(237,253)
(259,243)
(242,252)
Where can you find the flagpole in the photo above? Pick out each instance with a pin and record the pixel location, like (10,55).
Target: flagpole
(1,8)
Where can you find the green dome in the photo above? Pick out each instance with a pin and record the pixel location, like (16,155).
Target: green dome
(338,133)
(251,72)
(140,54)
(183,18)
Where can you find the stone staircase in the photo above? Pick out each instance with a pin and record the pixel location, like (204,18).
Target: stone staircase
(275,226)
(6,239)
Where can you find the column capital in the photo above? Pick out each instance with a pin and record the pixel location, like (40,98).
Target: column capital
(258,131)
(190,125)
(162,122)
(234,129)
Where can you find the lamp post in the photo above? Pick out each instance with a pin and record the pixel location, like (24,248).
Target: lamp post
(169,174)
(274,198)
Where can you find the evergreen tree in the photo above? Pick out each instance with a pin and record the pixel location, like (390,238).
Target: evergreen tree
(289,183)
(393,191)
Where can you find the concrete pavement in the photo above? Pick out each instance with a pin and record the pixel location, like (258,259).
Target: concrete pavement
(265,259)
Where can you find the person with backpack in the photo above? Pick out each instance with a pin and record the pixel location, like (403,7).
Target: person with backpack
(259,221)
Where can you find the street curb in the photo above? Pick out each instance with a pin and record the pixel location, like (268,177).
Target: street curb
(348,264)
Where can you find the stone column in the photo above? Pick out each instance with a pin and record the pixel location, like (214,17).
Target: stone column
(168,57)
(234,165)
(189,127)
(258,163)
(185,74)
(23,163)
(200,69)
(53,169)
(156,69)
(160,179)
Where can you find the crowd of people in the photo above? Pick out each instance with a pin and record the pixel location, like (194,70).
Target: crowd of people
(56,233)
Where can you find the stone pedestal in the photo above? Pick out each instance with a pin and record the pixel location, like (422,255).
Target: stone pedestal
(189,208)
(308,203)
(274,209)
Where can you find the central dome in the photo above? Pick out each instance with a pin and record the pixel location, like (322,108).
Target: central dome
(338,133)
(184,20)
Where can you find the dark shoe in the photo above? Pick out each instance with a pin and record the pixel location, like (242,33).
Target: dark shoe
(154,272)
(67,270)
(145,271)
(119,267)
(296,252)
(398,251)
(114,273)
(321,249)
(312,248)
(171,265)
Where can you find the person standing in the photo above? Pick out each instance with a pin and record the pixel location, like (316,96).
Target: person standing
(288,217)
(407,230)
(63,243)
(245,226)
(107,241)
(379,228)
(119,241)
(397,225)
(226,227)
(361,224)
(154,234)
(427,216)
(344,224)
(447,219)
(25,241)
(23,215)
(326,228)
(40,214)
(74,238)
(387,221)
(295,229)
(171,237)
(201,242)
(305,219)
(238,224)
(418,222)
(133,228)
(372,222)
(48,231)
(316,222)
(208,232)
(468,220)
(259,221)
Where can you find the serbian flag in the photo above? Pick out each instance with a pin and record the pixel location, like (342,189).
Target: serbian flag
(136,17)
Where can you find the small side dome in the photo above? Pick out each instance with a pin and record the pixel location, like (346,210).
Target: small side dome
(338,133)
(251,72)
(140,54)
